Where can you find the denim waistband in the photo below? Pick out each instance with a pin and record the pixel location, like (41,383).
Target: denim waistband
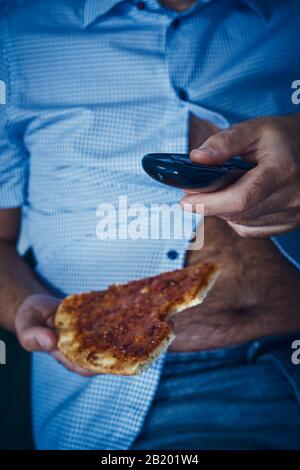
(243,352)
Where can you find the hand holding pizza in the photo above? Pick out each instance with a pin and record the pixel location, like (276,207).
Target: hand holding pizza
(35,328)
(120,330)
(265,201)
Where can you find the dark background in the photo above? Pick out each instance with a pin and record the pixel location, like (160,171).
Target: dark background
(15,432)
(15,426)
(15,397)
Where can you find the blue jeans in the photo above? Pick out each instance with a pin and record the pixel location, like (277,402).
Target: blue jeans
(244,397)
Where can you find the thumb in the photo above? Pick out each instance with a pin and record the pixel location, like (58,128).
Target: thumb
(34,323)
(227,144)
(38,338)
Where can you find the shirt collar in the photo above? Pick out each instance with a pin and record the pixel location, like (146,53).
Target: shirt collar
(258,5)
(93,9)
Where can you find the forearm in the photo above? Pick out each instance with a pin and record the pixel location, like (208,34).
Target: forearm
(17,282)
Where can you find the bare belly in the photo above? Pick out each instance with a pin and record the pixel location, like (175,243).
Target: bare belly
(257,293)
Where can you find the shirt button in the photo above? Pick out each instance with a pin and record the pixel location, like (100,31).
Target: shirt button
(140,5)
(172,254)
(182,94)
(176,23)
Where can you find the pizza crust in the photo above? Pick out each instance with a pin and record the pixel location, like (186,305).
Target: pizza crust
(106,362)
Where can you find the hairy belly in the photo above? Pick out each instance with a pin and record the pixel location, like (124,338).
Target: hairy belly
(256,294)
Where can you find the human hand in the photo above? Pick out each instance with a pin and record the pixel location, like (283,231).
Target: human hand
(35,329)
(265,201)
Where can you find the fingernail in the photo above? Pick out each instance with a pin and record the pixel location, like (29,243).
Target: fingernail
(44,342)
(208,151)
(187,205)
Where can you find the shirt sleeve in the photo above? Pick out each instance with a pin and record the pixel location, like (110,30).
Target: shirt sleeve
(13,161)
(289,245)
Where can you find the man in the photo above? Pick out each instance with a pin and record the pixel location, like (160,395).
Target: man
(91,87)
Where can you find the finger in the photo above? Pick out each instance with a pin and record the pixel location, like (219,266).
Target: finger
(277,209)
(38,338)
(44,304)
(34,323)
(31,317)
(59,356)
(259,232)
(228,143)
(287,217)
(251,189)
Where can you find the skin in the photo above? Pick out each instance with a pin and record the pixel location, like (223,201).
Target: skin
(266,201)
(256,209)
(26,307)
(269,306)
(251,299)
(256,294)
(177,5)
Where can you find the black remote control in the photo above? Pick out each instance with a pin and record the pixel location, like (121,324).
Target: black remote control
(176,169)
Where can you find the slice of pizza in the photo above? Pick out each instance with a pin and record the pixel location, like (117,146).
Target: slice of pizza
(123,329)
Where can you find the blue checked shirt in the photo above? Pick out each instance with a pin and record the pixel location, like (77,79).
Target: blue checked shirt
(91,86)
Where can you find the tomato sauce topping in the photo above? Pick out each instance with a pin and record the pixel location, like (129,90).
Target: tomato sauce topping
(131,320)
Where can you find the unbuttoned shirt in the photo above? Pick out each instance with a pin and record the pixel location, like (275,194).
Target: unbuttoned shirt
(92,86)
